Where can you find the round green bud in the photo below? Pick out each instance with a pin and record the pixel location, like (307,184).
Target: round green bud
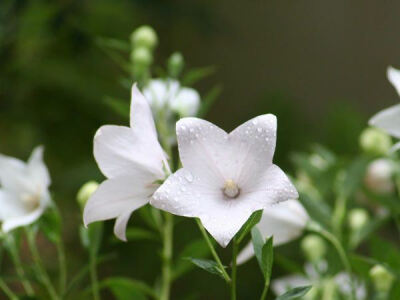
(358,218)
(375,141)
(141,57)
(175,64)
(381,278)
(85,192)
(144,36)
(313,247)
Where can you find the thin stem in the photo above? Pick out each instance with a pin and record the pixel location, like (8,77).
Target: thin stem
(93,276)
(9,293)
(40,270)
(213,252)
(14,253)
(342,254)
(235,251)
(167,256)
(264,292)
(62,265)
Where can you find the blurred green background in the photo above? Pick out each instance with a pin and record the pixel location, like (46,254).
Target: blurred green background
(318,65)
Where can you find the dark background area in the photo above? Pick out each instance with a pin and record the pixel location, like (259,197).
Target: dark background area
(320,66)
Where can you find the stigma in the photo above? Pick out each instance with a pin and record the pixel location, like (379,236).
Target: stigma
(231,189)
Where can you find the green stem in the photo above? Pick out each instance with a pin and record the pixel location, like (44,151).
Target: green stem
(213,252)
(167,256)
(235,251)
(14,253)
(62,265)
(264,292)
(9,293)
(40,270)
(93,276)
(342,254)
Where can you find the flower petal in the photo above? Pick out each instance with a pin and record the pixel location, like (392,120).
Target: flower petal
(13,174)
(37,168)
(202,149)
(271,187)
(388,120)
(284,221)
(243,155)
(394,77)
(117,196)
(22,220)
(187,195)
(186,103)
(120,225)
(10,205)
(254,145)
(120,149)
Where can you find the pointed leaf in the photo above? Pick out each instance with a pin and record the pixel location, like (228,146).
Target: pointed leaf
(126,288)
(246,228)
(258,243)
(207,265)
(295,293)
(267,258)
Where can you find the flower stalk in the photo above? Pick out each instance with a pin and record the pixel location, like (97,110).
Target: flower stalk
(213,252)
(235,251)
(39,268)
(167,256)
(9,293)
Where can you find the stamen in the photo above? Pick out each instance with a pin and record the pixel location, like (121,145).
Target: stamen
(231,189)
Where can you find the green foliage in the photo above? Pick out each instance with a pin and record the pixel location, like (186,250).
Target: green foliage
(295,293)
(207,265)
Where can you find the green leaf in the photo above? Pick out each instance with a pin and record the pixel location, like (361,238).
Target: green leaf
(353,178)
(267,258)
(209,99)
(295,293)
(126,288)
(50,224)
(119,106)
(194,75)
(207,265)
(258,243)
(246,228)
(114,44)
(197,248)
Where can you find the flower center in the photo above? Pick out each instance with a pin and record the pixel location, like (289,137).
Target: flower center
(231,190)
(31,201)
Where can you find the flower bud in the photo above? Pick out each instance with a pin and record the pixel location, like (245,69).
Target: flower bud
(381,278)
(86,191)
(144,36)
(358,218)
(313,247)
(175,64)
(378,177)
(141,57)
(375,141)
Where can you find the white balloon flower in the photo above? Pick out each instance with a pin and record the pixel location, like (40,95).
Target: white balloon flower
(169,94)
(225,177)
(284,221)
(389,118)
(24,194)
(133,160)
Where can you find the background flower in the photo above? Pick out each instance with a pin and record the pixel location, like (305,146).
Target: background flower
(132,160)
(24,193)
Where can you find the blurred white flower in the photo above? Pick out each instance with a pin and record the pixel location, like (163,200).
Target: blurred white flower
(311,277)
(24,193)
(389,119)
(169,94)
(284,221)
(225,177)
(132,159)
(378,177)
